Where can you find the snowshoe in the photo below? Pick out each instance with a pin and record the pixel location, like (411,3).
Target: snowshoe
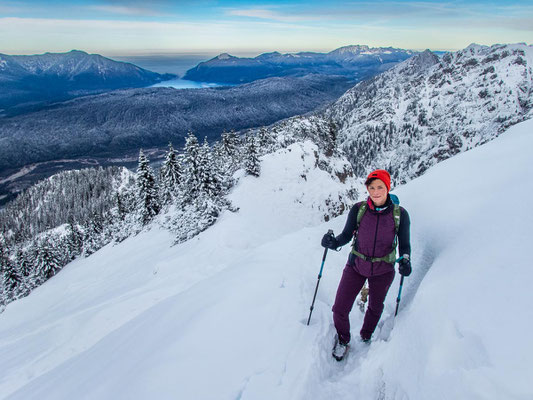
(340,349)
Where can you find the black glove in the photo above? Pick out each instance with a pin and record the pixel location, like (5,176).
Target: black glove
(405,266)
(329,241)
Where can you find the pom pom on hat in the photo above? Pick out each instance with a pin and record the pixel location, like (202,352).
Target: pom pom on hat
(380,174)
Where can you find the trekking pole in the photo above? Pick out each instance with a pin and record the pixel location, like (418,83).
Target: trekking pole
(330,232)
(399,292)
(399,296)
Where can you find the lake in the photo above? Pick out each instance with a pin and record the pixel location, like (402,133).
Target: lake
(185,84)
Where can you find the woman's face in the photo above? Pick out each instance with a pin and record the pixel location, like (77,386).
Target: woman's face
(378,192)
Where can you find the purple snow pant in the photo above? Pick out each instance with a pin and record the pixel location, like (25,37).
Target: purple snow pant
(349,287)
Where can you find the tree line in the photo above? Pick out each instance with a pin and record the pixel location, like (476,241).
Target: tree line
(75,213)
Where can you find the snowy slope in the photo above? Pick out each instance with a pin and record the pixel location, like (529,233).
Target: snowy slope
(223,315)
(427,108)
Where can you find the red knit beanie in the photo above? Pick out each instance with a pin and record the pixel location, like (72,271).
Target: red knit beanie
(380,174)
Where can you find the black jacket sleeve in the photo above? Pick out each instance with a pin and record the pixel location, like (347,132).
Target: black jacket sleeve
(404,235)
(349,227)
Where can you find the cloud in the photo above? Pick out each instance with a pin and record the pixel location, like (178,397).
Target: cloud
(125,10)
(262,13)
(399,13)
(9,7)
(137,3)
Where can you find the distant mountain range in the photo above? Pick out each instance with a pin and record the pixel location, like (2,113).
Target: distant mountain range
(116,124)
(356,62)
(27,82)
(415,114)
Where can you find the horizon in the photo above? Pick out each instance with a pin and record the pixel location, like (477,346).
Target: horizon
(180,63)
(122,28)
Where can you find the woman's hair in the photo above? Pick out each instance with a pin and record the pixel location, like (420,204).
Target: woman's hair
(369,181)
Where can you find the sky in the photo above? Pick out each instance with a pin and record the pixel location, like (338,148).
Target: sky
(136,28)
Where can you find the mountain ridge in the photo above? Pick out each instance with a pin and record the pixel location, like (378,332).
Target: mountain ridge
(357,62)
(32,80)
(428,108)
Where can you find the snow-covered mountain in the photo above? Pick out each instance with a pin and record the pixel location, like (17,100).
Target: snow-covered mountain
(74,65)
(224,315)
(349,54)
(428,108)
(55,76)
(356,62)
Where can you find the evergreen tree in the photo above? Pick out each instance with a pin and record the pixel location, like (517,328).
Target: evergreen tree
(252,165)
(263,138)
(210,177)
(74,240)
(230,146)
(47,262)
(170,176)
(147,190)
(330,139)
(12,280)
(121,207)
(3,301)
(210,211)
(192,159)
(93,235)
(25,267)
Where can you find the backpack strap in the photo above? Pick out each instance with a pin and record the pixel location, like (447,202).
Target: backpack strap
(360,213)
(389,258)
(396,212)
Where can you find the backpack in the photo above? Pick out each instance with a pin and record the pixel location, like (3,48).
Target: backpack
(391,257)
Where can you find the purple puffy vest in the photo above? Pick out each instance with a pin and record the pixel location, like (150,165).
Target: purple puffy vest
(375,238)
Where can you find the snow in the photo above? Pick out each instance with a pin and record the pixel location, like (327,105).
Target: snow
(19,174)
(436,107)
(224,315)
(224,56)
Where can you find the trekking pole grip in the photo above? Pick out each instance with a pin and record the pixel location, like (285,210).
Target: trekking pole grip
(330,232)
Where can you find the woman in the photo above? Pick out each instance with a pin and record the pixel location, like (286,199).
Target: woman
(376,226)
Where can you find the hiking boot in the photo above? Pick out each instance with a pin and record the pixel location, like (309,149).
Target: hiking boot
(366,339)
(340,349)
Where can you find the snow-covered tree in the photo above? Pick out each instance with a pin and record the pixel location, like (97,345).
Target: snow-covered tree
(120,207)
(264,139)
(24,264)
(230,146)
(93,235)
(9,273)
(209,174)
(330,138)
(192,174)
(47,262)
(148,199)
(12,279)
(170,176)
(252,165)
(74,240)
(25,268)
